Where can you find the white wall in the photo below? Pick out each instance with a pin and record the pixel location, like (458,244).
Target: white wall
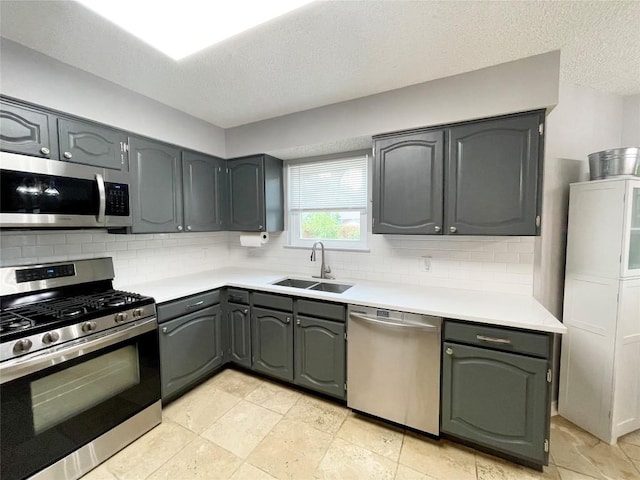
(526,84)
(583,122)
(631,121)
(31,76)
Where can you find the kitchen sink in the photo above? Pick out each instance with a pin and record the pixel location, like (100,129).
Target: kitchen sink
(313,285)
(296,283)
(330,287)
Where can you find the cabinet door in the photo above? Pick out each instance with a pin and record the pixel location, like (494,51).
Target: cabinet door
(190,348)
(246,194)
(493,168)
(201,181)
(495,399)
(272,342)
(239,329)
(407,186)
(156,187)
(27,131)
(90,144)
(320,355)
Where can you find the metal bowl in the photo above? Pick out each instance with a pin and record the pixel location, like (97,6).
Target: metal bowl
(614,162)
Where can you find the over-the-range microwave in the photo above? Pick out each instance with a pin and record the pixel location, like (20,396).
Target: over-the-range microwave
(37,192)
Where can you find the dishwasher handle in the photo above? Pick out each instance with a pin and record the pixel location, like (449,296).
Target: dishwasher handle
(390,324)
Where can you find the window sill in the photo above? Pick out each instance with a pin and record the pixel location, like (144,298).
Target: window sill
(334,249)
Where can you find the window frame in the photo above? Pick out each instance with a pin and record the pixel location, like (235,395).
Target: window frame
(293,215)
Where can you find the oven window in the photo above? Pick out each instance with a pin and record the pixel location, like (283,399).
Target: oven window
(61,395)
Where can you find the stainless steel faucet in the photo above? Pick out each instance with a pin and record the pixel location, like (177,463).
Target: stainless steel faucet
(324,269)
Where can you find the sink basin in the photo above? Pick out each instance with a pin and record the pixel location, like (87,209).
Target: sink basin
(295,283)
(331,287)
(313,285)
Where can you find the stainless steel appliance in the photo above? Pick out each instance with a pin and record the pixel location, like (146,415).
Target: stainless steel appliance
(47,193)
(79,368)
(393,366)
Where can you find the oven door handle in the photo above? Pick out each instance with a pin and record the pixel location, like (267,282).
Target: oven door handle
(28,364)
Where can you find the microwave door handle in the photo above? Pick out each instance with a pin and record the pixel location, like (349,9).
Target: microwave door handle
(103,199)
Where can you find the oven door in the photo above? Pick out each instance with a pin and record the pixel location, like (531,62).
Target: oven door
(56,401)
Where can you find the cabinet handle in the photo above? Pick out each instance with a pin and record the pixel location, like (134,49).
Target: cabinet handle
(189,227)
(68,155)
(259,227)
(194,305)
(437,228)
(298,321)
(449,351)
(245,311)
(453,229)
(164,330)
(44,151)
(179,228)
(502,341)
(287,319)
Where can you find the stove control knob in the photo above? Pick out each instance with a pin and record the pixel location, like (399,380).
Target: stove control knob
(88,327)
(22,346)
(121,317)
(137,313)
(50,337)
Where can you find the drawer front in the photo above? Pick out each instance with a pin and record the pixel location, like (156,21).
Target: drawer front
(169,310)
(332,311)
(236,295)
(516,341)
(277,302)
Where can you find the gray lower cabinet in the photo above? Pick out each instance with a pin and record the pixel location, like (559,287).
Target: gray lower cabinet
(494,176)
(272,342)
(497,398)
(156,187)
(408,183)
(203,186)
(92,144)
(190,348)
(255,194)
(239,333)
(320,355)
(27,131)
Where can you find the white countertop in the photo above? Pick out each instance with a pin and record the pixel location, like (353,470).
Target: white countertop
(494,308)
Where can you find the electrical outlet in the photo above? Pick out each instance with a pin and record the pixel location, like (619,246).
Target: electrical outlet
(426,263)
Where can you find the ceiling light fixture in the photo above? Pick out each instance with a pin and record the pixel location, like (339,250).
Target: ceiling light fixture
(181,28)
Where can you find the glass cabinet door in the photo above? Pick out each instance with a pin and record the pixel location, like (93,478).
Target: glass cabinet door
(634,236)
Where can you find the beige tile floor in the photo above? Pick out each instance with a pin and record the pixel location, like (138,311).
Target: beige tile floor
(240,427)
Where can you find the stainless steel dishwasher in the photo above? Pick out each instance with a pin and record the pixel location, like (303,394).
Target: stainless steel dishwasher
(393,366)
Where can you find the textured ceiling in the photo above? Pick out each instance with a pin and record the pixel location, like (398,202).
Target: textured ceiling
(328,52)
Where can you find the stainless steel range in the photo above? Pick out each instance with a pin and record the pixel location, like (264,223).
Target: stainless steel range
(79,368)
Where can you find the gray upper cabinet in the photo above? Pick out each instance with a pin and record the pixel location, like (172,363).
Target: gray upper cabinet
(156,187)
(477,178)
(272,342)
(320,355)
(255,194)
(203,182)
(27,131)
(493,173)
(92,144)
(239,334)
(408,182)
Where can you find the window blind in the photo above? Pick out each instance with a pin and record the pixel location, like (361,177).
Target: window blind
(330,184)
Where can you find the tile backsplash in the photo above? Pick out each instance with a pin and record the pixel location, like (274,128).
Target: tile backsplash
(479,263)
(136,258)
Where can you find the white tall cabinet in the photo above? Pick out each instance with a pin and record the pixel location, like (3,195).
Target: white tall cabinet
(600,359)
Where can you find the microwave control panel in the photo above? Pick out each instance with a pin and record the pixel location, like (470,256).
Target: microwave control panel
(117,199)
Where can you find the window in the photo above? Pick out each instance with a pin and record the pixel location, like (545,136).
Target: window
(328,202)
